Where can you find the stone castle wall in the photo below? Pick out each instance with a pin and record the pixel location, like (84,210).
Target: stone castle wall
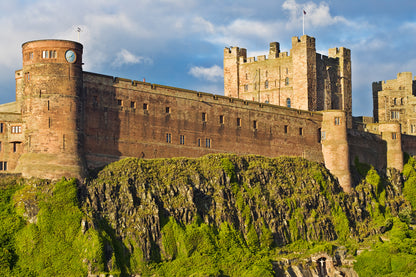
(132,118)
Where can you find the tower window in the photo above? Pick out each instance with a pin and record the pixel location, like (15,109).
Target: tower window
(288,104)
(286,129)
(208,143)
(300,131)
(45,54)
(132,104)
(337,120)
(238,122)
(167,109)
(169,138)
(255,124)
(16,129)
(393,135)
(266,84)
(145,106)
(245,87)
(119,102)
(182,139)
(221,119)
(204,117)
(394,114)
(287,81)
(1,127)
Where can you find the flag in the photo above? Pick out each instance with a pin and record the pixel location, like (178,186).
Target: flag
(304,12)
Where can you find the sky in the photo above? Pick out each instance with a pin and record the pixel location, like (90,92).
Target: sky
(181,42)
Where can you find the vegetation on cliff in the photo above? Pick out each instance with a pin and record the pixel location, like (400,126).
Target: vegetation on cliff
(219,215)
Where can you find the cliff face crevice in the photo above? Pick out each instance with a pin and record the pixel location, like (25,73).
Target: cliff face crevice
(288,199)
(218,215)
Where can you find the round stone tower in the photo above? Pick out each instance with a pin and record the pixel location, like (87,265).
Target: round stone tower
(51,109)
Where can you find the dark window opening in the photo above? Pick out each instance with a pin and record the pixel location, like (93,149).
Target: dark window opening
(167,109)
(145,106)
(169,138)
(119,102)
(208,143)
(300,131)
(286,129)
(337,121)
(255,124)
(221,119)
(204,117)
(288,103)
(132,104)
(182,139)
(238,122)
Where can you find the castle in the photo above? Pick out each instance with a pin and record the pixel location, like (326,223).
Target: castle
(65,120)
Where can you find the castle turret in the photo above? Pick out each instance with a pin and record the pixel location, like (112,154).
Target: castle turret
(51,96)
(390,132)
(231,70)
(344,92)
(304,73)
(335,146)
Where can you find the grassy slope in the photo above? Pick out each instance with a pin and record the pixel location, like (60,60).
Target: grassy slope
(377,217)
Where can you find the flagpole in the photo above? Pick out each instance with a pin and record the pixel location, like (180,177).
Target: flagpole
(303,22)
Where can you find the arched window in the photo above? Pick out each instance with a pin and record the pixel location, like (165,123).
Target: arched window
(288,102)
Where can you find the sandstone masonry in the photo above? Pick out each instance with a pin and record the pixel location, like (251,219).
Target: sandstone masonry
(65,120)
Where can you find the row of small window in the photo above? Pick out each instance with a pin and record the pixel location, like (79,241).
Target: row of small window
(16,129)
(49,54)
(398,101)
(266,84)
(267,73)
(182,140)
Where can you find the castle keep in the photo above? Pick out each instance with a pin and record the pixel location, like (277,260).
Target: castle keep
(65,120)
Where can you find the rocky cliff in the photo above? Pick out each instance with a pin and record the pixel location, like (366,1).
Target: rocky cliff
(219,215)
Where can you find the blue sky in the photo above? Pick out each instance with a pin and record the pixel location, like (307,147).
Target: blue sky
(180,42)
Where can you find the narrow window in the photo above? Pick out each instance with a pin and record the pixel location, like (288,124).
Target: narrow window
(145,106)
(167,109)
(31,55)
(394,114)
(255,124)
(1,165)
(288,104)
(169,138)
(52,54)
(132,104)
(1,127)
(208,143)
(14,147)
(4,165)
(286,129)
(45,54)
(199,142)
(337,121)
(182,139)
(245,87)
(266,84)
(119,102)
(204,117)
(287,81)
(238,122)
(50,122)
(394,101)
(221,119)
(300,131)
(393,135)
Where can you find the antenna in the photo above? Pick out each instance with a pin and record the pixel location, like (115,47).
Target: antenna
(78,31)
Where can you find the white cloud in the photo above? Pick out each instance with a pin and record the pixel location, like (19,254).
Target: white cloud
(316,15)
(125,57)
(213,73)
